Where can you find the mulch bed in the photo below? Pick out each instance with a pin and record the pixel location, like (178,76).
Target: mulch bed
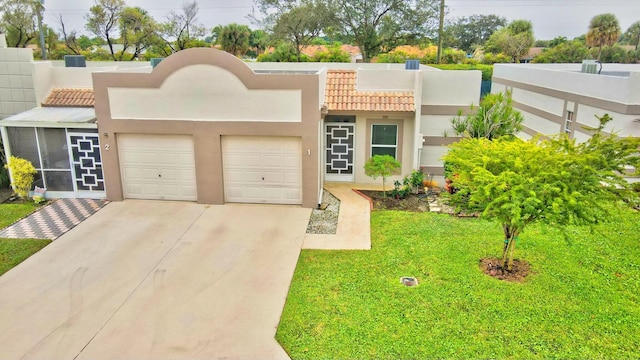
(5,195)
(493,268)
(412,202)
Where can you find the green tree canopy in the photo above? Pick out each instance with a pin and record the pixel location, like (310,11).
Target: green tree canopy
(283,52)
(557,181)
(303,23)
(234,39)
(18,21)
(334,53)
(103,20)
(604,29)
(633,34)
(258,42)
(567,52)
(467,33)
(515,40)
(138,31)
(182,28)
(495,117)
(375,25)
(381,166)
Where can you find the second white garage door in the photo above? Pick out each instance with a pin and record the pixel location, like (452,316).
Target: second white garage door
(158,167)
(262,169)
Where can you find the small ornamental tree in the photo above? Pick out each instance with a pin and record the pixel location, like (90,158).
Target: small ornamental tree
(381,165)
(556,181)
(494,117)
(22,173)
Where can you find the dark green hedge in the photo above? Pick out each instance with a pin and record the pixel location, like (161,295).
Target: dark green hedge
(487,70)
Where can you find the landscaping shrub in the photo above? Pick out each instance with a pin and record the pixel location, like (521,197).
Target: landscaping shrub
(23,173)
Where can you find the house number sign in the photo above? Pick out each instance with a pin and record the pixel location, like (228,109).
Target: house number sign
(106,147)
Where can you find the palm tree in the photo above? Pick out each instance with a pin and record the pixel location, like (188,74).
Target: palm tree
(604,29)
(634,34)
(234,39)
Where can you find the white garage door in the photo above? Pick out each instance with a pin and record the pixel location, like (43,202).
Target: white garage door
(262,169)
(157,167)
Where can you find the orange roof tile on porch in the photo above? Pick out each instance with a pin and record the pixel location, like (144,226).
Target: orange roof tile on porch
(341,95)
(69,97)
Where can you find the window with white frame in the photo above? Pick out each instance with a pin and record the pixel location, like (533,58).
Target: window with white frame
(384,140)
(568,121)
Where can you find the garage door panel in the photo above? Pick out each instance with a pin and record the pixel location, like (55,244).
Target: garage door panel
(293,194)
(273,161)
(271,176)
(291,178)
(262,169)
(157,166)
(291,162)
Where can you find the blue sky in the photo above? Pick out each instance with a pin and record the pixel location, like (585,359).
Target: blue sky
(550,18)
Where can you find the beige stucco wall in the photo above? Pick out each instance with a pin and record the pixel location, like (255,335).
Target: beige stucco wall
(222,71)
(206,93)
(363,143)
(17,92)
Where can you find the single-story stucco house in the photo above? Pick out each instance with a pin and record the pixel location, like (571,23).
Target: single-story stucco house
(205,126)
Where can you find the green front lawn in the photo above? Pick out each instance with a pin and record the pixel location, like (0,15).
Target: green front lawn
(582,301)
(10,213)
(14,251)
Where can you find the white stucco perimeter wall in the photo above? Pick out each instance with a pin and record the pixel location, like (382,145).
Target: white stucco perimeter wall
(539,101)
(454,87)
(540,125)
(623,125)
(432,155)
(386,80)
(568,78)
(436,125)
(205,93)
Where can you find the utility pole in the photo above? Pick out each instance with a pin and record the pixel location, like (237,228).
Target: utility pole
(39,10)
(440,30)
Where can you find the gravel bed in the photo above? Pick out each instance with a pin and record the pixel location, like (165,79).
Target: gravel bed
(325,221)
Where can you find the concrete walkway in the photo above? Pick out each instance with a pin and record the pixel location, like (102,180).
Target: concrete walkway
(156,280)
(354,220)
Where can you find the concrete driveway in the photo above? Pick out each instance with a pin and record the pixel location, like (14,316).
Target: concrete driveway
(156,280)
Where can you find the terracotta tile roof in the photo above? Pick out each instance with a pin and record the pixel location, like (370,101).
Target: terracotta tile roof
(69,97)
(341,95)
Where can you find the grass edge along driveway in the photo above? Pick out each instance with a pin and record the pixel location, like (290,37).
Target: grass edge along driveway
(582,301)
(15,251)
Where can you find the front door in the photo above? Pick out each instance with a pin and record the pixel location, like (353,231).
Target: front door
(339,156)
(88,180)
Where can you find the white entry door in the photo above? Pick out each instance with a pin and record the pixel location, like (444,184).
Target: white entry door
(158,167)
(262,169)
